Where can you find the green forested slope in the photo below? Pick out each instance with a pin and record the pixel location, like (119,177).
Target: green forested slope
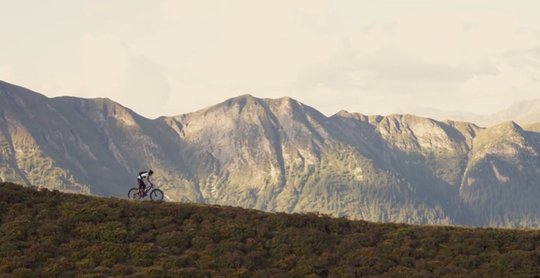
(48,233)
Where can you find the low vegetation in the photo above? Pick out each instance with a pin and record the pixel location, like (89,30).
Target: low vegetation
(49,233)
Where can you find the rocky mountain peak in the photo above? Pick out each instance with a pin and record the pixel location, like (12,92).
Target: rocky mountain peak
(241,101)
(14,91)
(100,110)
(509,126)
(355,116)
(469,130)
(506,140)
(507,131)
(412,133)
(16,100)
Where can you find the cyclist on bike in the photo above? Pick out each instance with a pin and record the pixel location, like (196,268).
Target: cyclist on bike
(144,179)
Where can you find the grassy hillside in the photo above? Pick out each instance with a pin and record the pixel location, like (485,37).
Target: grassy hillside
(49,233)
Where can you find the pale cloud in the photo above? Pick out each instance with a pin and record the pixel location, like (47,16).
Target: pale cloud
(518,78)
(356,70)
(6,73)
(364,56)
(108,69)
(250,45)
(454,37)
(105,61)
(445,60)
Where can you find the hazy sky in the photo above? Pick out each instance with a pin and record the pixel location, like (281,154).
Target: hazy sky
(166,57)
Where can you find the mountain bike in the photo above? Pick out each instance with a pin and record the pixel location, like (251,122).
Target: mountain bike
(153,193)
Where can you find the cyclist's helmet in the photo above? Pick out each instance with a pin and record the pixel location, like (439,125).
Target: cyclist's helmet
(150,172)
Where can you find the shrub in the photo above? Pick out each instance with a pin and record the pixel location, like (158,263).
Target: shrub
(51,234)
(142,254)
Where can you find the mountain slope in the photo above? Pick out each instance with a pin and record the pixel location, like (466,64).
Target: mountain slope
(99,144)
(281,155)
(501,180)
(48,233)
(277,155)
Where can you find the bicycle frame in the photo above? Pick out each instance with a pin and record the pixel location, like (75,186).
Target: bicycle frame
(147,189)
(151,191)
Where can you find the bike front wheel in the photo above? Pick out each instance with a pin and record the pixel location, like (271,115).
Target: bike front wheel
(133,193)
(156,195)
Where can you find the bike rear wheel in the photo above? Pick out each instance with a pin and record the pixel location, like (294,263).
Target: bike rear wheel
(156,195)
(133,193)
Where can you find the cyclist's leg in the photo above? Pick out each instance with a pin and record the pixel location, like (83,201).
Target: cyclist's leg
(145,183)
(141,187)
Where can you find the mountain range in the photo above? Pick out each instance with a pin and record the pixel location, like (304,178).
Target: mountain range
(279,155)
(522,112)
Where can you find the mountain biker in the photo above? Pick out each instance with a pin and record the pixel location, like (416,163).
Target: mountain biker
(144,179)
